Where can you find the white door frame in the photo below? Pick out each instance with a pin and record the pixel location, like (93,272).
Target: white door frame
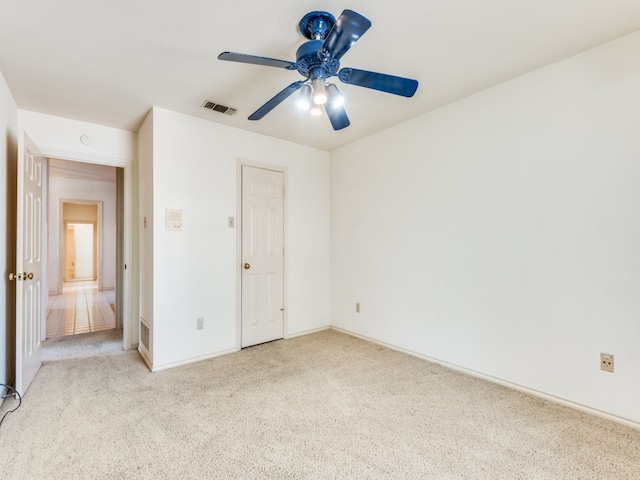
(240,162)
(130,334)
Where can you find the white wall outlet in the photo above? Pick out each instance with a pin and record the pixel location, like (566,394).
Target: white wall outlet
(200,324)
(606,362)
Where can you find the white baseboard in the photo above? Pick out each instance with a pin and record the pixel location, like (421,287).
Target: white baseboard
(166,366)
(307,332)
(505,383)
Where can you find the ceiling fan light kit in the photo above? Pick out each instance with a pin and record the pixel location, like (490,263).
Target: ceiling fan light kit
(336,99)
(304,97)
(319,91)
(315,110)
(318,59)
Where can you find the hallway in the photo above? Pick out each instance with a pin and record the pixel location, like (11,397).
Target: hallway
(81,308)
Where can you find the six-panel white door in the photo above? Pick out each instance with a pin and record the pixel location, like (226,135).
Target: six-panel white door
(30,307)
(262,256)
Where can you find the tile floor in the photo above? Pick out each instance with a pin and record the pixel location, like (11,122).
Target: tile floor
(81,308)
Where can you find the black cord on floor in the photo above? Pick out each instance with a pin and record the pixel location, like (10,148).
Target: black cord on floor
(15,392)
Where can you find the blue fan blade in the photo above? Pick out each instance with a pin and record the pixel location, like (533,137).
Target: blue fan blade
(405,87)
(337,117)
(254,60)
(349,27)
(275,101)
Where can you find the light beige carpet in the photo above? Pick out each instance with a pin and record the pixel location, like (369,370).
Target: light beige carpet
(322,406)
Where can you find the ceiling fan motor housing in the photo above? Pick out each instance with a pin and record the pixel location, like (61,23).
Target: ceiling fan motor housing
(309,60)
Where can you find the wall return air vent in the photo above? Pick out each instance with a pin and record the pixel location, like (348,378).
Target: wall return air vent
(216,107)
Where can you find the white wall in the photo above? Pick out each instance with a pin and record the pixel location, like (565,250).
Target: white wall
(194,271)
(70,189)
(8,153)
(60,137)
(501,233)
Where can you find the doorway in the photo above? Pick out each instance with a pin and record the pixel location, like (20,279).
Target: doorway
(80,241)
(262,240)
(80,258)
(36,331)
(85,241)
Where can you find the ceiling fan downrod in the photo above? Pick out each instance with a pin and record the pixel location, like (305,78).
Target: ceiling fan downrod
(315,25)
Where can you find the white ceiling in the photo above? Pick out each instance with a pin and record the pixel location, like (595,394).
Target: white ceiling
(81,171)
(110,62)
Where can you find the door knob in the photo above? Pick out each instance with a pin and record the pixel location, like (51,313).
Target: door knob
(247,266)
(13,276)
(28,275)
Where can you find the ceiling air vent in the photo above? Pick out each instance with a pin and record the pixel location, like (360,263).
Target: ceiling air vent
(216,107)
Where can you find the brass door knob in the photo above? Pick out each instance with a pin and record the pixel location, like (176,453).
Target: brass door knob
(247,266)
(28,275)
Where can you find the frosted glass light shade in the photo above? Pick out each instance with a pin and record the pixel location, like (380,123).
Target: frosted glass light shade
(316,110)
(335,97)
(319,91)
(304,98)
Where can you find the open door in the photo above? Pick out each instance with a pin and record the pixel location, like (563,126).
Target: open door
(30,248)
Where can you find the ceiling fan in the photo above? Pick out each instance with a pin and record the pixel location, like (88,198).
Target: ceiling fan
(318,60)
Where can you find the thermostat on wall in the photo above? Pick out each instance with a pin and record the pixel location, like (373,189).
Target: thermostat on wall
(173,220)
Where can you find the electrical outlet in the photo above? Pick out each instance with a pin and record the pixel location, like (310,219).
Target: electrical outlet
(200,324)
(606,362)
(231,222)
(357,308)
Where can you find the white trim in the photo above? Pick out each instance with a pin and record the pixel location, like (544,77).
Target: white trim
(166,366)
(144,353)
(85,157)
(240,162)
(308,332)
(158,368)
(505,383)
(45,251)
(129,331)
